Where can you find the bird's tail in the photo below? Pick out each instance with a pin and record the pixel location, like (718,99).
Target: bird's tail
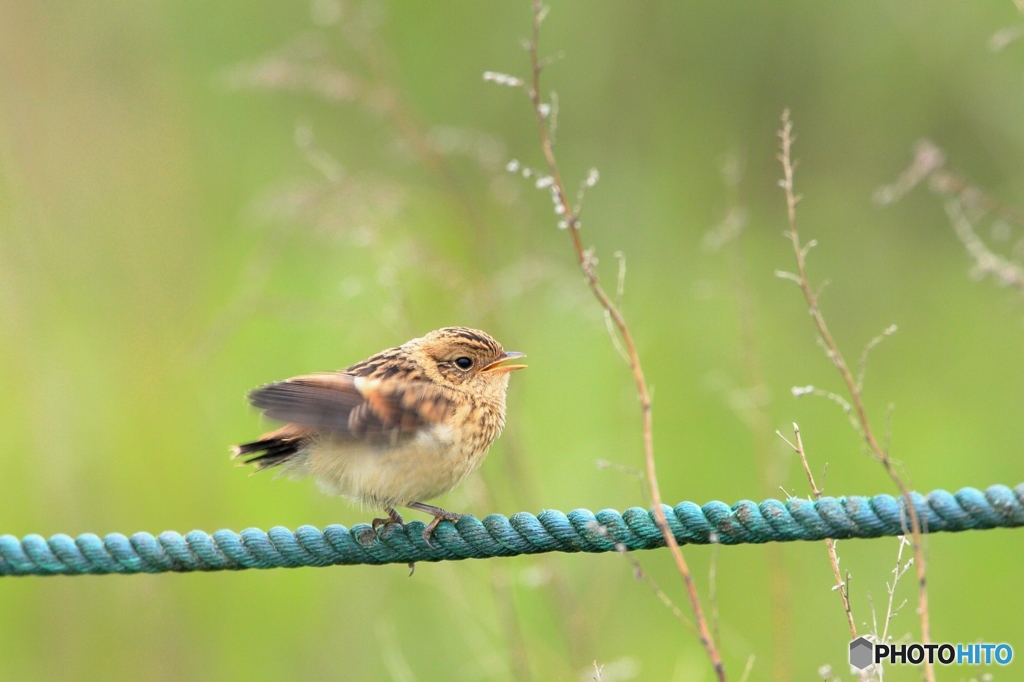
(272,449)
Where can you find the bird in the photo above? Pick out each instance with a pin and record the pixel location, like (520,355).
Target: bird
(403,426)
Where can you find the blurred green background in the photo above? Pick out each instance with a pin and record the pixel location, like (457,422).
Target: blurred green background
(197,198)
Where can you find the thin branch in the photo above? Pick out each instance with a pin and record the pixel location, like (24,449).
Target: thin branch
(930,164)
(641,575)
(620,287)
(511,625)
(986,261)
(966,205)
(629,471)
(843,403)
(713,592)
(748,668)
(898,572)
(587,265)
(785,157)
(753,410)
(842,586)
(886,333)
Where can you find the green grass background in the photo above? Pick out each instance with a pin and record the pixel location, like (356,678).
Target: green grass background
(145,285)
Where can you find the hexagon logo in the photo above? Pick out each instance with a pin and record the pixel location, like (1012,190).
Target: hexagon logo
(861,653)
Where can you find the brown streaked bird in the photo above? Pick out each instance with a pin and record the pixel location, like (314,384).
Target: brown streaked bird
(403,426)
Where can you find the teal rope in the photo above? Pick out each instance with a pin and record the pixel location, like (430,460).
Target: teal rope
(551,531)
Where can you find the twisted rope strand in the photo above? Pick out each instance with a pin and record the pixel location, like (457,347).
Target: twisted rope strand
(550,531)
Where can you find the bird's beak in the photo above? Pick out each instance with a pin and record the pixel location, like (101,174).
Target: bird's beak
(498,366)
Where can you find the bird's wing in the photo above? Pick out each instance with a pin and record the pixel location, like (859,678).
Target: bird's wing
(356,408)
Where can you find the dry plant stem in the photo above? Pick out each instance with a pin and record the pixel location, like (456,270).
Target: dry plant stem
(576,628)
(748,668)
(519,659)
(640,574)
(833,558)
(587,266)
(713,596)
(759,425)
(897,574)
(786,134)
(986,262)
(966,204)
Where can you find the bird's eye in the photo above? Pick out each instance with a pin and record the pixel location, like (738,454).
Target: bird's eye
(463,362)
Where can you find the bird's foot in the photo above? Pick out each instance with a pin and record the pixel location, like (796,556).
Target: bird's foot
(439,516)
(393,517)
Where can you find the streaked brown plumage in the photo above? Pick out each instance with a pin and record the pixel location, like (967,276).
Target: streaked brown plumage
(405,425)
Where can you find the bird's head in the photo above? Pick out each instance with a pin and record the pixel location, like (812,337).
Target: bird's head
(465,359)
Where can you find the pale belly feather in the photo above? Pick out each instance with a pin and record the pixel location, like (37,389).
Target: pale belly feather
(425,467)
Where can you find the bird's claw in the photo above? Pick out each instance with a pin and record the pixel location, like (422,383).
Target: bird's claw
(439,516)
(393,517)
(428,532)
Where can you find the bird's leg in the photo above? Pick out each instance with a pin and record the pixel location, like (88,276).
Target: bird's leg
(438,514)
(393,517)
